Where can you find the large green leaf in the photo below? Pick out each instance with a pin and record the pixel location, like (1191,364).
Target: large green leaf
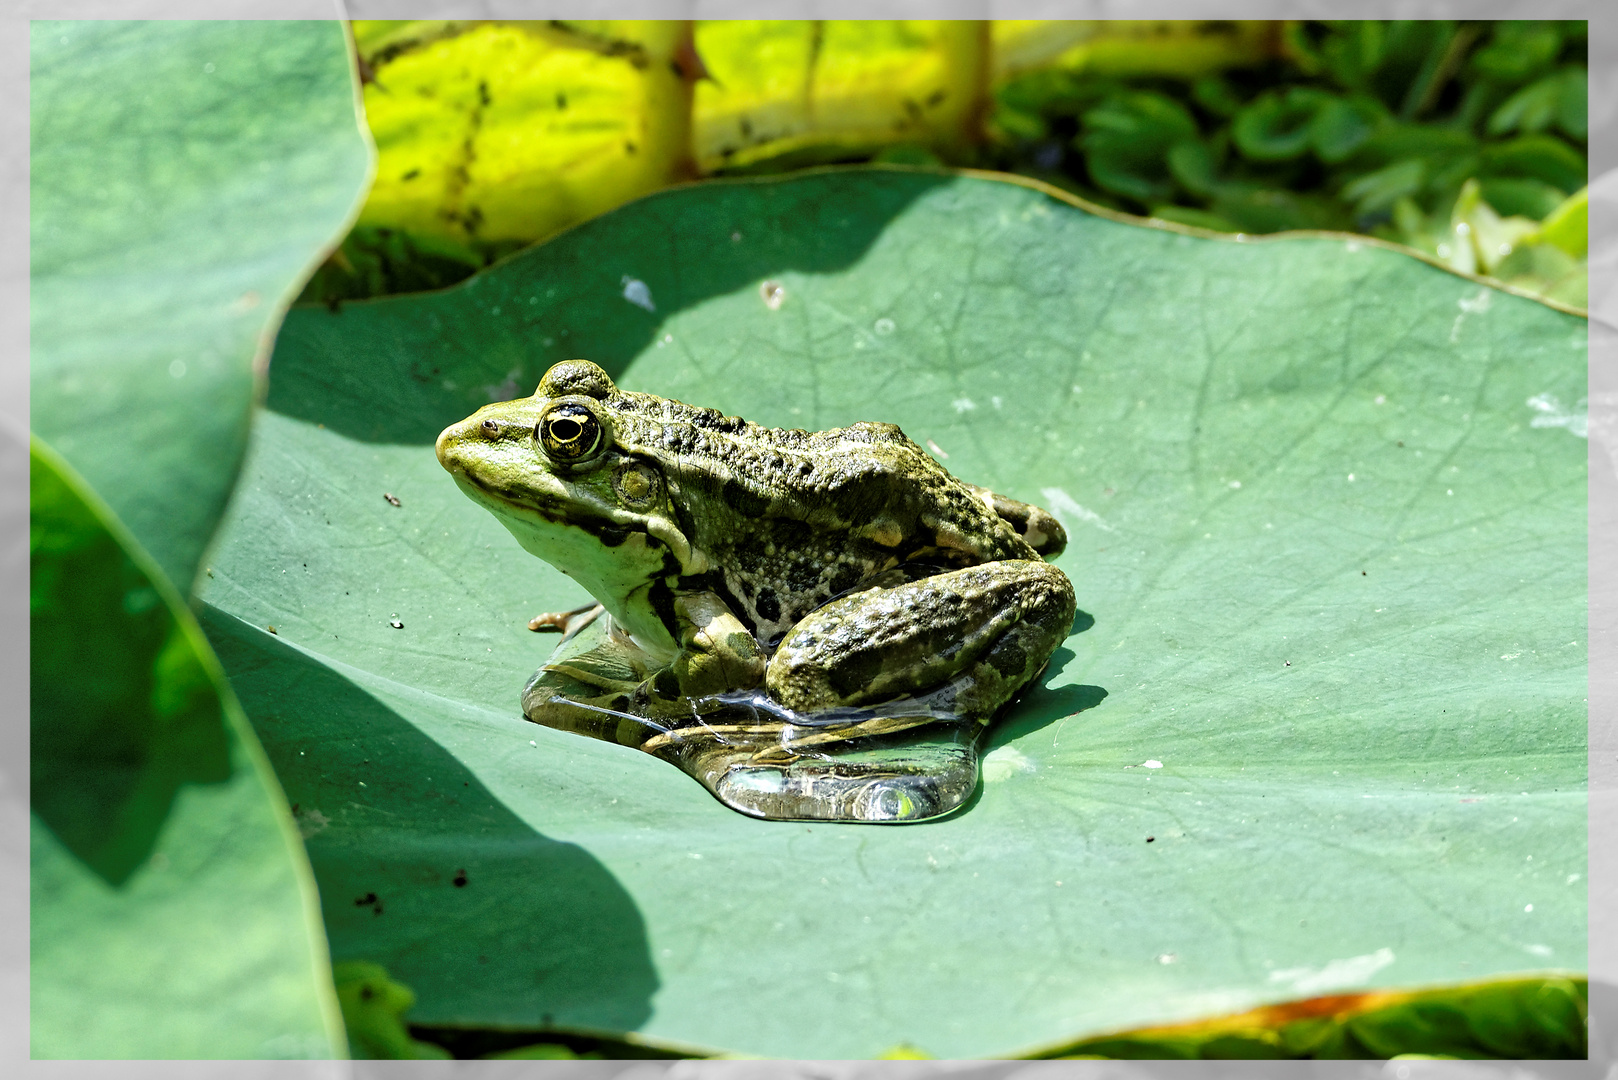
(182,175)
(165,921)
(1326,731)
(185,177)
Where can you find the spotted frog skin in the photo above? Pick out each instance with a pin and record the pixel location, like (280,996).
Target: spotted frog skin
(767,599)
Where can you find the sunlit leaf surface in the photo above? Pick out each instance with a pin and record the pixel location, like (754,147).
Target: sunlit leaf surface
(1327,730)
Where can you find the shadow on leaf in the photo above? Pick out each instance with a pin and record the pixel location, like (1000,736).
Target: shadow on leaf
(399,369)
(1038,706)
(113,737)
(423,869)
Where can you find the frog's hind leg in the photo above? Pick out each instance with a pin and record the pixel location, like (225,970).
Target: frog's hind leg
(985,629)
(893,687)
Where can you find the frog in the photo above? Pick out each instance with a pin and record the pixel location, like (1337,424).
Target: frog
(816,625)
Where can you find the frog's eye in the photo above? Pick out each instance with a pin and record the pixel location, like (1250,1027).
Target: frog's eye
(569,433)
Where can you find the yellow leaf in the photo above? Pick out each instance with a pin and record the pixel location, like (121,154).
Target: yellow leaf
(801,92)
(509,132)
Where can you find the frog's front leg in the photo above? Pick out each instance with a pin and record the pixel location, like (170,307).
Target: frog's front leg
(717,653)
(976,636)
(601,682)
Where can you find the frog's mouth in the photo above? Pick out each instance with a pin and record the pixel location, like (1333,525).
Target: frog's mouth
(542,509)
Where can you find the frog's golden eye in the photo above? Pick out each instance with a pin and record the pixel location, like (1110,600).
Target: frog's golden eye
(569,433)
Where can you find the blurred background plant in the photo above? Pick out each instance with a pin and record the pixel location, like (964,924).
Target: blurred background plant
(1462,139)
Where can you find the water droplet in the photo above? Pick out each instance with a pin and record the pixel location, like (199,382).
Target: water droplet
(638,293)
(1381,399)
(1528,907)
(207,69)
(1166,958)
(177,369)
(884,326)
(396,624)
(773,293)
(1151,764)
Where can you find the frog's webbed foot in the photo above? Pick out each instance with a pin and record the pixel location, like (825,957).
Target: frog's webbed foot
(886,693)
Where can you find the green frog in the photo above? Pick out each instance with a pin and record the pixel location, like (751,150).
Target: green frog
(815,625)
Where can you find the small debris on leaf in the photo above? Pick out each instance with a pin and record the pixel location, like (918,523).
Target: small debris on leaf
(392,499)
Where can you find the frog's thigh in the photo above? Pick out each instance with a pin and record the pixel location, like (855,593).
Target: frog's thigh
(989,628)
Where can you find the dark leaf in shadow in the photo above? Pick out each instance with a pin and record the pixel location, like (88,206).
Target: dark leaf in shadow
(110,743)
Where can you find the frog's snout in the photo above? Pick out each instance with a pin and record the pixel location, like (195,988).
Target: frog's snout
(446,441)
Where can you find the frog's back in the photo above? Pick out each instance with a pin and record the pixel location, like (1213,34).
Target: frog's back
(788,519)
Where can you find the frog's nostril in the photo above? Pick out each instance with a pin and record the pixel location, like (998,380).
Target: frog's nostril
(490,428)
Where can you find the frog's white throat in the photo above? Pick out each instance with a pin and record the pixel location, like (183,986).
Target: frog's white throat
(620,577)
